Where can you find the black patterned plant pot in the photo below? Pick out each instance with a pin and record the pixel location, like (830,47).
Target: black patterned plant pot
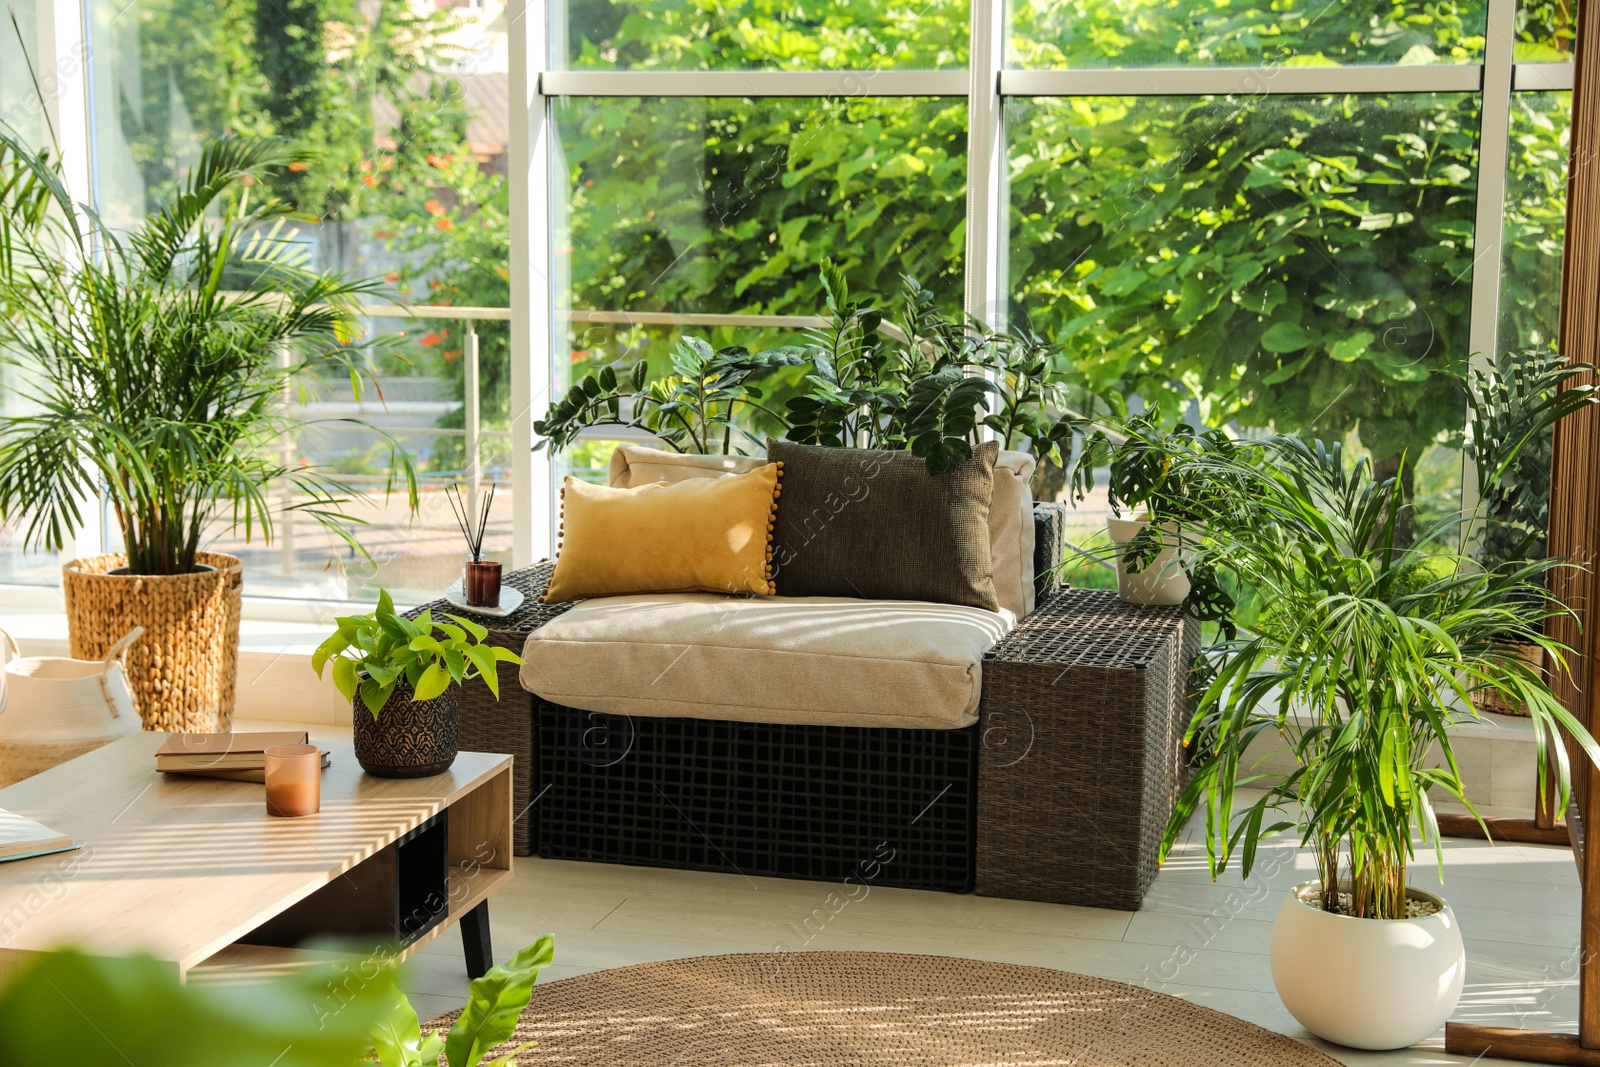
(409,739)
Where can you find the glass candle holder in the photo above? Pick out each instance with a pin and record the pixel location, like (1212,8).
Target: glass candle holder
(294,780)
(480,581)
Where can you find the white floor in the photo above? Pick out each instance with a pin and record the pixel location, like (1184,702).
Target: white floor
(1518,907)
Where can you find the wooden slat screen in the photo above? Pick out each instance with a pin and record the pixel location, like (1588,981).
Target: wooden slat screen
(1575,488)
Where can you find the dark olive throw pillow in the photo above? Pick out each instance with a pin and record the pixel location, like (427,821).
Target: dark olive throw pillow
(858,522)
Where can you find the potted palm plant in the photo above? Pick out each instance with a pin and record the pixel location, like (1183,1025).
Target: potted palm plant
(1360,654)
(159,361)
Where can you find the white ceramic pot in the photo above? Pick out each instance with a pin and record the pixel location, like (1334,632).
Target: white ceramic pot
(1367,983)
(1163,581)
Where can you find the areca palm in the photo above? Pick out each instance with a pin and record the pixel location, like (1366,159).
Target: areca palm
(159,360)
(1365,654)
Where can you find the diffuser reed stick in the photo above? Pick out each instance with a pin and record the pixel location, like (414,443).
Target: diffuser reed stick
(472,527)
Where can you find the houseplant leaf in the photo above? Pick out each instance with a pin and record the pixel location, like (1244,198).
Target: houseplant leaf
(496,1000)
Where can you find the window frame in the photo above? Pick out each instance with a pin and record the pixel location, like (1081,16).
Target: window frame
(538,325)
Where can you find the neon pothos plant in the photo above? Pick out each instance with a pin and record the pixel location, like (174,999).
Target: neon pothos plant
(488,1020)
(1367,651)
(374,655)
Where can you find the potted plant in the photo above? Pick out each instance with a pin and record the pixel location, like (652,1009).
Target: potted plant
(1360,654)
(1160,483)
(480,578)
(1512,409)
(402,678)
(158,362)
(923,385)
(695,409)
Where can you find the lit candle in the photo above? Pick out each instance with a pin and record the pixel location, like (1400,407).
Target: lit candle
(294,780)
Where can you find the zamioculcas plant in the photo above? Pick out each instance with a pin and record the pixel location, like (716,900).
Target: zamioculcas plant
(694,409)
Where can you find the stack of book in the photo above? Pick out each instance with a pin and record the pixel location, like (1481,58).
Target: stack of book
(236,757)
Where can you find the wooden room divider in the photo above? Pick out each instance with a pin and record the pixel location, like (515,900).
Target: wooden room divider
(1574,535)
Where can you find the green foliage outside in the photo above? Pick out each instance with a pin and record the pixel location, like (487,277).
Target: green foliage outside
(1298,263)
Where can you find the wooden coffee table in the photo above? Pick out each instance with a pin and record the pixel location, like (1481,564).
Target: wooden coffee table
(194,871)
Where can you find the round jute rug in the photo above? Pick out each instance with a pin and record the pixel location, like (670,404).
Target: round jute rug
(843,1009)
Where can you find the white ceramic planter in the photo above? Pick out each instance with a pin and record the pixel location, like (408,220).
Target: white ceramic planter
(1367,983)
(1163,581)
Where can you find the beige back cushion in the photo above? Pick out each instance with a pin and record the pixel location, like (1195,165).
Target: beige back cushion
(1010,508)
(1011,532)
(634,465)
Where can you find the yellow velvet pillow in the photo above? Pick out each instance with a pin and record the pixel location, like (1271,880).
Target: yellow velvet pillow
(709,535)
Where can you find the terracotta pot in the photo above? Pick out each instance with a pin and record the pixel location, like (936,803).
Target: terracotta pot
(408,739)
(480,584)
(183,672)
(1367,983)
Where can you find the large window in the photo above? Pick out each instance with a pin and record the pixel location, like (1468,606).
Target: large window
(405,108)
(1276,217)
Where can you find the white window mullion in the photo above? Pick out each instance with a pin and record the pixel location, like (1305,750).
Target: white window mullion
(1244,81)
(1494,139)
(1542,77)
(985,261)
(754,83)
(528,158)
(63,72)
(1494,136)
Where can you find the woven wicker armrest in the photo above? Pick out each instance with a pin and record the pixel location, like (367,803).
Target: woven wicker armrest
(1082,720)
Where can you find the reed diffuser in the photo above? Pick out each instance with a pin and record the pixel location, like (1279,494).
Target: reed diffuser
(480,580)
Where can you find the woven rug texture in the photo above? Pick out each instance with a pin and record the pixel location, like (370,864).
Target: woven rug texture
(843,1009)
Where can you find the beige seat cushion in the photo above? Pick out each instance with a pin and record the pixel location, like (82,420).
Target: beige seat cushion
(827,661)
(1010,508)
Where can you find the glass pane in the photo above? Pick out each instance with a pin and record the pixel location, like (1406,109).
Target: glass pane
(21,110)
(20,564)
(1243,33)
(759,34)
(1545,30)
(1536,209)
(730,205)
(406,106)
(22,114)
(1299,264)
(416,396)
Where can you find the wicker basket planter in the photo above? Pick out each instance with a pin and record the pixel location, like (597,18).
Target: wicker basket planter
(1495,701)
(184,671)
(408,739)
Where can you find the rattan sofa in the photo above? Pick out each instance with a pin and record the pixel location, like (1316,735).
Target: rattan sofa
(1059,792)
